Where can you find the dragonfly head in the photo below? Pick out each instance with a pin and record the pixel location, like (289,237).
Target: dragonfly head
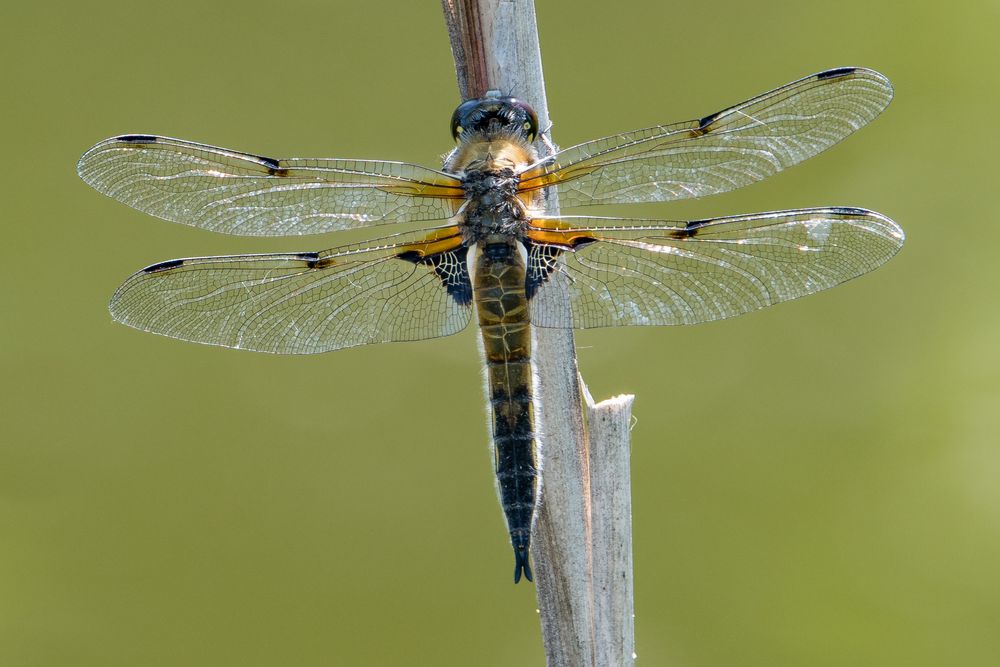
(493,116)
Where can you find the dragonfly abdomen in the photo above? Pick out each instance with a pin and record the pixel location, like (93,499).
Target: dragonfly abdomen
(503,321)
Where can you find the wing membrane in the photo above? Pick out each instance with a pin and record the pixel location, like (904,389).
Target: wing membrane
(720,152)
(647,272)
(239,193)
(411,287)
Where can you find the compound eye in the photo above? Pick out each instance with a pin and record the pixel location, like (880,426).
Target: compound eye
(460,116)
(530,124)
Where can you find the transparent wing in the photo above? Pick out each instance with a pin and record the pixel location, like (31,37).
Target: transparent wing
(722,151)
(647,272)
(412,287)
(249,195)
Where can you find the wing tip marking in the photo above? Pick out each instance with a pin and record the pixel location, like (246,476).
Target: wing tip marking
(836,73)
(137,139)
(164,266)
(850,210)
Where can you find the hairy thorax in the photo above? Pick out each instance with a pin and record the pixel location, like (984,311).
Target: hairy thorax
(488,170)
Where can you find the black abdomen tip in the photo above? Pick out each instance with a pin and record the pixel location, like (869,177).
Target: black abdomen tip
(521,564)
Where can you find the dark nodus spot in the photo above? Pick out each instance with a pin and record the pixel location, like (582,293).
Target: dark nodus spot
(274,167)
(313,260)
(706,121)
(689,231)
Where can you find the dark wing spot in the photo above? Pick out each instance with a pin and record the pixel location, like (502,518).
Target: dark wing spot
(849,210)
(454,273)
(137,139)
(164,266)
(274,167)
(690,230)
(542,260)
(703,124)
(451,267)
(269,162)
(414,256)
(313,261)
(836,73)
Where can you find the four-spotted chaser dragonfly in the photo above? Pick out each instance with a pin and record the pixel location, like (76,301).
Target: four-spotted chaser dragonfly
(494,252)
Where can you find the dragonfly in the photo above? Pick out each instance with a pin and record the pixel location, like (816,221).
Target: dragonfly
(489,248)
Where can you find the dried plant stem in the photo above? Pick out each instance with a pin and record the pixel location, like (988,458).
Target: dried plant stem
(582,541)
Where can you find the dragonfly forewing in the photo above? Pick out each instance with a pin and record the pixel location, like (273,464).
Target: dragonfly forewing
(719,152)
(249,195)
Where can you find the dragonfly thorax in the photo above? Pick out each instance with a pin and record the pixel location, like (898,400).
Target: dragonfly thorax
(490,188)
(493,207)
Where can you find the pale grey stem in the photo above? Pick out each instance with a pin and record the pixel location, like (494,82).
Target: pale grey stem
(582,539)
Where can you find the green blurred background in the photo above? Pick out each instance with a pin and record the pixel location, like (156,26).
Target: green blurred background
(815,484)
